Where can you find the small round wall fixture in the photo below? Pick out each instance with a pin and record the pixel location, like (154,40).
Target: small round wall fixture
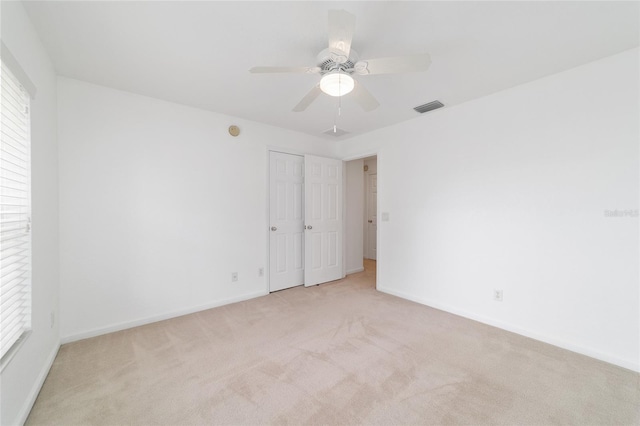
(234,130)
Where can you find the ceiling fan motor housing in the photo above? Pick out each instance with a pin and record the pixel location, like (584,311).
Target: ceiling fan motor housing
(334,59)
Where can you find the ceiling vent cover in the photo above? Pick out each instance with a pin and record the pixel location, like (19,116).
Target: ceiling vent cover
(338,132)
(429,107)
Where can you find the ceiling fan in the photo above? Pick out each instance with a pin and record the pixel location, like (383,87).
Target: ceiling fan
(339,62)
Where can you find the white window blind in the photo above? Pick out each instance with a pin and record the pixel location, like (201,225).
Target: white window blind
(15,212)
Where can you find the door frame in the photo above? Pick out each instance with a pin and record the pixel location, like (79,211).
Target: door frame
(379,251)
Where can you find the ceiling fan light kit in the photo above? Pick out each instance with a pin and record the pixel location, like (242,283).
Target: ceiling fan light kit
(337,83)
(339,62)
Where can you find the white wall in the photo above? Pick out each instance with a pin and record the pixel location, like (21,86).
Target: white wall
(355,210)
(21,379)
(158,206)
(509,192)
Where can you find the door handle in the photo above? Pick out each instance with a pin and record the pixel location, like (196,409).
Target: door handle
(370,221)
(273,228)
(309,227)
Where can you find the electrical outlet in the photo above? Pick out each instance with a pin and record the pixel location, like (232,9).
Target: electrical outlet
(261,272)
(52,319)
(497,295)
(234,276)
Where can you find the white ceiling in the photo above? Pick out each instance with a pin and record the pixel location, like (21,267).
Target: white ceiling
(199,53)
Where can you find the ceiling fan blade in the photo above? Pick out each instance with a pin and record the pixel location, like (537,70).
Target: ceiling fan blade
(364,98)
(308,99)
(342,25)
(398,64)
(297,70)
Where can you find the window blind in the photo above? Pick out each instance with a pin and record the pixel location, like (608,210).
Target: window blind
(15,211)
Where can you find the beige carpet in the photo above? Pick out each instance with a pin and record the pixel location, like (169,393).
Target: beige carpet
(340,353)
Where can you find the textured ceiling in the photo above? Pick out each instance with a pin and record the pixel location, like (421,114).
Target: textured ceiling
(199,53)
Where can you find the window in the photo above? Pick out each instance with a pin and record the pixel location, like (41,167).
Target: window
(15,211)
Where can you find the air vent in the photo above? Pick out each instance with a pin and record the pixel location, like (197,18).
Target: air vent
(429,107)
(338,132)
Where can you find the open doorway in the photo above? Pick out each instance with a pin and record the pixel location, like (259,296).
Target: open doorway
(370,223)
(361,248)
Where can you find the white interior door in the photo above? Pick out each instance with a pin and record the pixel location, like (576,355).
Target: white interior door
(372,214)
(286,215)
(323,220)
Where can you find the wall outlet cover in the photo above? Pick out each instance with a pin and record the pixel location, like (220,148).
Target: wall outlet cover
(497,295)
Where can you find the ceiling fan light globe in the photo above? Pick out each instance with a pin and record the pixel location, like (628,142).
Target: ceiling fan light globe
(337,84)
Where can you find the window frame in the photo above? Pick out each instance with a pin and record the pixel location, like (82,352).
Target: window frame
(17,95)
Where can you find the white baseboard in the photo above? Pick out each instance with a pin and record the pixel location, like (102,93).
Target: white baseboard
(355,271)
(35,390)
(155,318)
(611,359)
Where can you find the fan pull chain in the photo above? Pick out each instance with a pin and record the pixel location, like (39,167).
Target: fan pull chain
(339,113)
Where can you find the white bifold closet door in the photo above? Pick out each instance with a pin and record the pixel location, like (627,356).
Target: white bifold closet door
(323,220)
(305,214)
(286,217)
